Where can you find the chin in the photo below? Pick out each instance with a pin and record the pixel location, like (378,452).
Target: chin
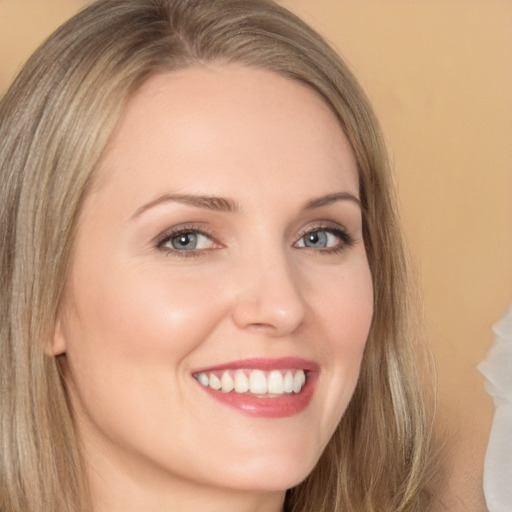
(270,474)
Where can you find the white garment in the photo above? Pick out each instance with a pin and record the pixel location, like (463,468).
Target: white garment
(497,370)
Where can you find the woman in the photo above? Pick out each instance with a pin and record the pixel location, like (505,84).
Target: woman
(204,293)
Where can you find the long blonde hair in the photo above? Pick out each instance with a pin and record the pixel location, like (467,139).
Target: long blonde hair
(56,120)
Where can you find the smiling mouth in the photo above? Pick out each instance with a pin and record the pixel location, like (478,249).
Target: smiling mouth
(262,387)
(261,383)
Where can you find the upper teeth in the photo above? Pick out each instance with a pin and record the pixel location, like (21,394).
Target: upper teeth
(257,382)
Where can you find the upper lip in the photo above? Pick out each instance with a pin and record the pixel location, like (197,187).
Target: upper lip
(262,363)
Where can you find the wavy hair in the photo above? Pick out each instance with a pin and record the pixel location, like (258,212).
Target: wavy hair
(55,122)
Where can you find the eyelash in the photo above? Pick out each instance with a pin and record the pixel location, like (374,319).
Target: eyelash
(183,230)
(346,240)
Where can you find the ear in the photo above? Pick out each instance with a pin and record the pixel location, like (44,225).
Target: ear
(58,345)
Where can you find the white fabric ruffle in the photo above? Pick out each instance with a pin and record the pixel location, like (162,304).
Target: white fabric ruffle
(497,371)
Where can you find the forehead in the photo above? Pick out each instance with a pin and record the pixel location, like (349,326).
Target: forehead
(193,126)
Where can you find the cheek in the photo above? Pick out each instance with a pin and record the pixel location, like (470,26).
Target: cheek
(129,332)
(345,310)
(353,318)
(135,312)
(344,305)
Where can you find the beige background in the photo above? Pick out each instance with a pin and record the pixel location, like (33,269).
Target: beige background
(440,77)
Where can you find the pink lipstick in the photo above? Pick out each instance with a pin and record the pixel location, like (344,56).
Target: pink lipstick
(261,387)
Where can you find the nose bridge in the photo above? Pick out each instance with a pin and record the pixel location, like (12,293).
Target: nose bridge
(268,292)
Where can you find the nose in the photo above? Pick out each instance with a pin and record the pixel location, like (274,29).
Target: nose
(269,296)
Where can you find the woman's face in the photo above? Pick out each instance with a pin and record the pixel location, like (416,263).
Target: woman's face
(221,245)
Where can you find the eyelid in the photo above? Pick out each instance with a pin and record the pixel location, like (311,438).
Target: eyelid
(169,233)
(347,239)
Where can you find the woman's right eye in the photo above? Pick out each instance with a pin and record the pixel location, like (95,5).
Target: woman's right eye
(187,241)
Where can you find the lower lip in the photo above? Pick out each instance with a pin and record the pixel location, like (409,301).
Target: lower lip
(274,407)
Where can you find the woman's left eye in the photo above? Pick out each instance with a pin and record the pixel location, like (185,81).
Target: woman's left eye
(324,238)
(185,241)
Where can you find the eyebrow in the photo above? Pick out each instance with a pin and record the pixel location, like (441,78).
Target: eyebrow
(222,204)
(332,198)
(219,204)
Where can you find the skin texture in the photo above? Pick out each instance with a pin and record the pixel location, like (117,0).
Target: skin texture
(139,317)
